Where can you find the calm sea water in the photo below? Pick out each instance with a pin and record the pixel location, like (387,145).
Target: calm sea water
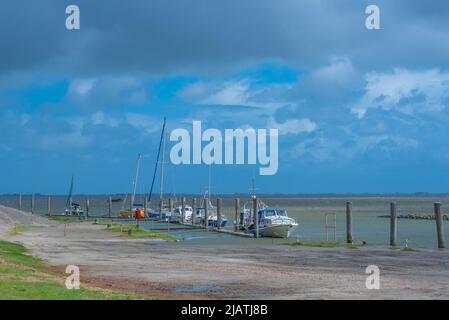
(309,212)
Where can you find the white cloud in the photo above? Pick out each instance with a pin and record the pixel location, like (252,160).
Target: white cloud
(141,122)
(339,71)
(236,93)
(405,91)
(294,126)
(99,118)
(81,87)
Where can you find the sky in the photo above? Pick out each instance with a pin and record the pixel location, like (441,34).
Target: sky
(358,110)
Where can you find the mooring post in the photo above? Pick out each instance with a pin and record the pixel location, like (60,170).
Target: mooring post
(206,216)
(237,210)
(335,227)
(87,207)
(219,203)
(170,204)
(193,210)
(131,207)
(161,204)
(326,227)
(439,222)
(19,202)
(393,224)
(183,209)
(349,236)
(145,206)
(256,218)
(32,203)
(49,205)
(110,206)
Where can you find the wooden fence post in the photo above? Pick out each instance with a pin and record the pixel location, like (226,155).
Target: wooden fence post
(439,223)
(193,210)
(87,207)
(256,216)
(219,203)
(349,235)
(32,203)
(237,211)
(393,224)
(49,205)
(183,209)
(110,206)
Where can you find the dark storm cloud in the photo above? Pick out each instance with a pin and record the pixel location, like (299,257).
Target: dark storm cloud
(203,37)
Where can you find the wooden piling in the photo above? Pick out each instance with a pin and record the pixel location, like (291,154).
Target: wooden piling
(161,204)
(193,210)
(256,218)
(439,223)
(19,202)
(393,224)
(49,205)
(170,204)
(32,203)
(145,206)
(131,207)
(237,211)
(183,209)
(219,204)
(349,235)
(87,207)
(110,206)
(206,216)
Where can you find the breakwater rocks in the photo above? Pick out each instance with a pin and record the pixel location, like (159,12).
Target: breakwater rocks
(418,216)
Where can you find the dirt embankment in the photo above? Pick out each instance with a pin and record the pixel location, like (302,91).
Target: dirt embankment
(10,218)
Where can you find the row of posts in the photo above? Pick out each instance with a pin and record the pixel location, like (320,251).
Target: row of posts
(349,228)
(393,224)
(33,200)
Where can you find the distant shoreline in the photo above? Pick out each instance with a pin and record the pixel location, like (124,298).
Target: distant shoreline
(268,195)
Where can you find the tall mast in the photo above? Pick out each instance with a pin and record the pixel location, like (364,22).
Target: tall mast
(209,190)
(136,177)
(157,160)
(161,194)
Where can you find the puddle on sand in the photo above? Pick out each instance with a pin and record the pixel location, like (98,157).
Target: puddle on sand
(200,288)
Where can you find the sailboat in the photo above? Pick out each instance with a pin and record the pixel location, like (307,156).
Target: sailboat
(162,213)
(135,208)
(72,208)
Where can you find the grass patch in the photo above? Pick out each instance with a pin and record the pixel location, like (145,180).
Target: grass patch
(23,276)
(323,245)
(408,249)
(123,229)
(65,219)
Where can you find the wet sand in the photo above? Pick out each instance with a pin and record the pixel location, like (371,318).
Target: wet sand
(177,270)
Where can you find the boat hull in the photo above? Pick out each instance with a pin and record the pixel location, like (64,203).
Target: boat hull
(276,231)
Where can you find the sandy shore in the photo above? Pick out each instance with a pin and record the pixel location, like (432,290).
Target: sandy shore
(181,270)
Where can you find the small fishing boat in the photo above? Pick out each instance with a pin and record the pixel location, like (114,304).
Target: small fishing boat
(274,223)
(188,214)
(212,217)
